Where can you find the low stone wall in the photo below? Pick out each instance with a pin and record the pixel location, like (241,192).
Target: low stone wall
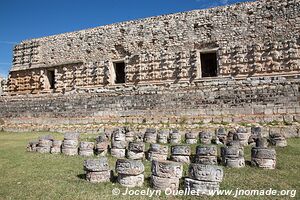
(265,100)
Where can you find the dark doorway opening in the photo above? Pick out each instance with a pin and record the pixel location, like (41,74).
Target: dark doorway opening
(120,72)
(51,78)
(209,66)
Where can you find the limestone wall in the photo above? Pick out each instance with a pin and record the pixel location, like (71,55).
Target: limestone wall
(251,39)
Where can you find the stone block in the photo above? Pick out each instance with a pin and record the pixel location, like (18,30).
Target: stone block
(167,169)
(94,165)
(70,151)
(130,180)
(263,153)
(200,187)
(207,150)
(129,167)
(118,153)
(206,160)
(98,176)
(201,172)
(181,150)
(160,183)
(181,159)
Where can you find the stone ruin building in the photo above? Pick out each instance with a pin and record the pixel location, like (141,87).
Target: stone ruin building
(225,64)
(1,85)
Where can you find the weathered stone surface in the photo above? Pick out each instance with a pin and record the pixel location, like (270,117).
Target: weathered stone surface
(139,136)
(45,143)
(256,130)
(86,145)
(191,137)
(130,133)
(102,138)
(86,152)
(70,144)
(221,135)
(206,160)
(163,136)
(232,152)
(108,132)
(119,134)
(119,144)
(291,131)
(181,158)
(280,143)
(202,187)
(96,165)
(207,150)
(136,150)
(235,162)
(70,151)
(191,141)
(181,150)
(118,153)
(101,148)
(233,156)
(86,149)
(160,183)
(130,180)
(261,142)
(263,157)
(264,163)
(175,136)
(167,169)
(263,153)
(205,137)
(136,146)
(98,176)
(32,145)
(55,150)
(100,153)
(150,136)
(243,138)
(232,136)
(56,143)
(206,172)
(157,148)
(241,130)
(71,136)
(156,156)
(43,149)
(130,136)
(129,167)
(134,155)
(277,139)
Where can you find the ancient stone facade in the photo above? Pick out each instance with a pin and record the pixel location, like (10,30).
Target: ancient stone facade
(239,62)
(2,85)
(256,38)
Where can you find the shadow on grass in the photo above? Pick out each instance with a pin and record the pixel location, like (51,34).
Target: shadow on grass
(81,176)
(248,162)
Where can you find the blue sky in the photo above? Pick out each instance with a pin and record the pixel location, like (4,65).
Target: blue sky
(25,19)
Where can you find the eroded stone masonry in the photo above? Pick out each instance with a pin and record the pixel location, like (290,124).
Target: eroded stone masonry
(224,64)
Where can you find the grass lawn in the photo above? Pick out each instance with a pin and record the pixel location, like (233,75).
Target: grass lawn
(25,175)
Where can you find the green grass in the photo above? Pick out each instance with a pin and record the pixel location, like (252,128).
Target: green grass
(25,175)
